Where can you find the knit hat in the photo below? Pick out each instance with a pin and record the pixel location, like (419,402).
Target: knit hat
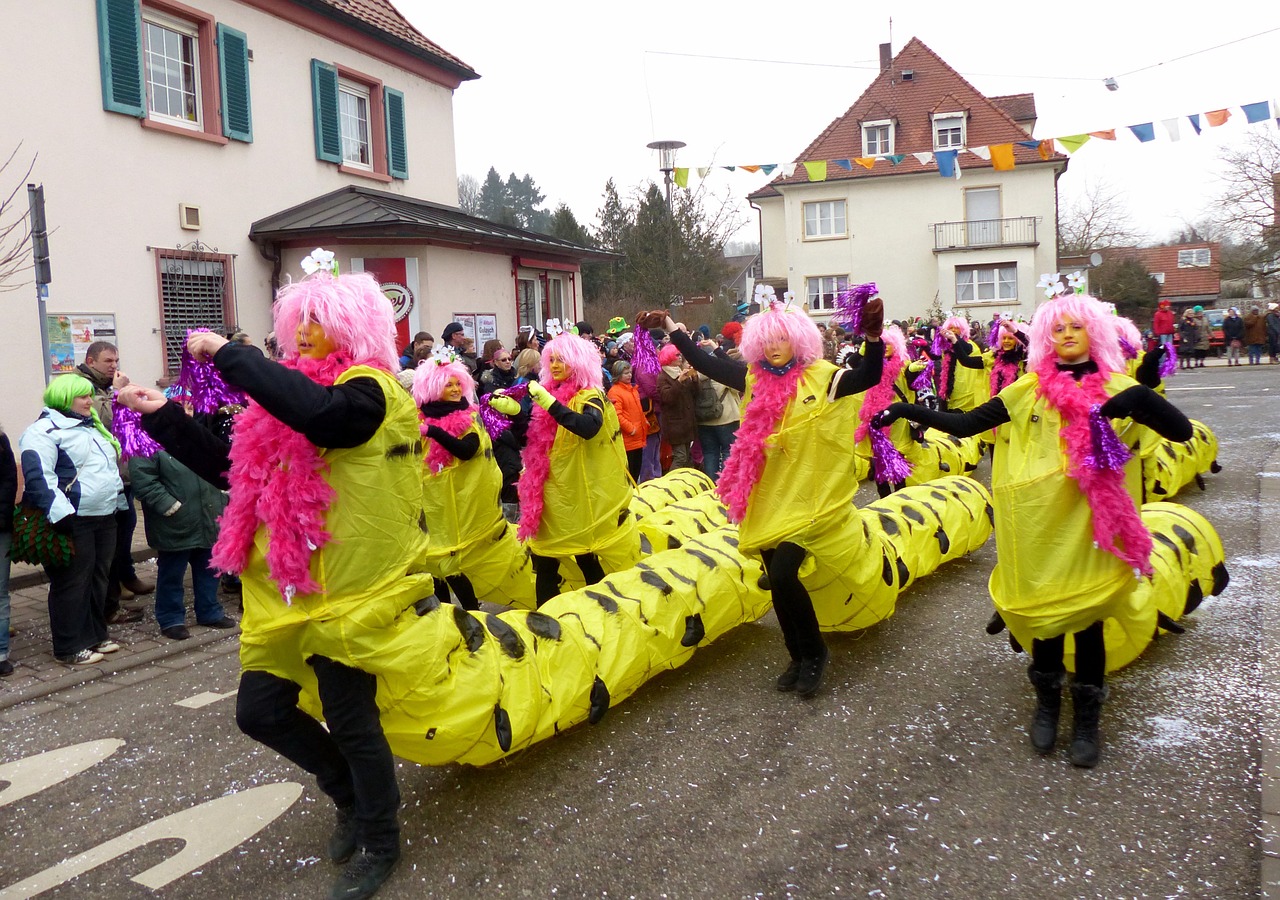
(1197,309)
(450,330)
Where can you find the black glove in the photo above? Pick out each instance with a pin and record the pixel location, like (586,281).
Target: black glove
(65,525)
(892,413)
(435,431)
(1121,406)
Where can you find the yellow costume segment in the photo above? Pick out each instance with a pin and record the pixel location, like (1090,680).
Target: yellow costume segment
(366,584)
(586,497)
(1169,466)
(467,534)
(972,388)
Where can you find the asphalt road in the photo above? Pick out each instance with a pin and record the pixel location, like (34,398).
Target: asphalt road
(908,776)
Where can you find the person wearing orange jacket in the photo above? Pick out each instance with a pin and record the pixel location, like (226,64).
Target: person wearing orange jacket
(631,417)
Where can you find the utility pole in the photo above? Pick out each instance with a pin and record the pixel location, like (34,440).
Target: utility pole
(40,250)
(666,165)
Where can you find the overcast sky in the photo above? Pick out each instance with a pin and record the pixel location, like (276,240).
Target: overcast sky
(571,91)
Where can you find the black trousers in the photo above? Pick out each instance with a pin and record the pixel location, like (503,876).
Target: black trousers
(792,603)
(78,592)
(122,568)
(1091,655)
(351,761)
(635,459)
(461,585)
(546,569)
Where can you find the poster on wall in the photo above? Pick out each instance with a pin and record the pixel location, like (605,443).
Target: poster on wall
(70,335)
(398,278)
(480,327)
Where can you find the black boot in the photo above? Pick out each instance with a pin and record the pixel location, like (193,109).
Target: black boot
(809,678)
(1088,700)
(1044,723)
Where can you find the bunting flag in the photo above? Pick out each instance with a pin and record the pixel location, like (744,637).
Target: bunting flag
(728,168)
(980,152)
(817,171)
(923,158)
(1002,157)
(788,169)
(1144,132)
(768,170)
(1045,148)
(1256,112)
(751,168)
(682,176)
(1108,134)
(1218,117)
(844,164)
(704,171)
(1195,122)
(895,158)
(1171,126)
(1073,142)
(946,162)
(865,161)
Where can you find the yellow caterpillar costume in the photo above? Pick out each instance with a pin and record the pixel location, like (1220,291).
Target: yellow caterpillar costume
(1169,466)
(467,687)
(467,533)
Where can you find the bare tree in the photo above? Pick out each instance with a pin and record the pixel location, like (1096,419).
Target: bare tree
(1097,219)
(1248,209)
(469,195)
(15,225)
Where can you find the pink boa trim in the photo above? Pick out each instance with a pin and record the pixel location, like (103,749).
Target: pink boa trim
(455,424)
(277,481)
(1117,524)
(770,396)
(945,368)
(1003,373)
(879,397)
(537,461)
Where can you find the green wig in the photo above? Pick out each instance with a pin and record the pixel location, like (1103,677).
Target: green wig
(66,388)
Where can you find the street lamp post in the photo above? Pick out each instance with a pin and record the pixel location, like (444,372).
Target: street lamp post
(666,165)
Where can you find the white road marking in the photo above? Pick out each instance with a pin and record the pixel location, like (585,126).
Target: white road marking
(208,830)
(203,699)
(1203,387)
(35,773)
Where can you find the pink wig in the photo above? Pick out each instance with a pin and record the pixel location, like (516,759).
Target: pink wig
(352,310)
(1099,323)
(580,355)
(431,377)
(669,355)
(893,337)
(961,324)
(775,324)
(1129,334)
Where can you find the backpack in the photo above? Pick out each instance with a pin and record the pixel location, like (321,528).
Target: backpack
(709,404)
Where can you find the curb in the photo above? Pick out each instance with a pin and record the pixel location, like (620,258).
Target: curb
(35,575)
(1269,683)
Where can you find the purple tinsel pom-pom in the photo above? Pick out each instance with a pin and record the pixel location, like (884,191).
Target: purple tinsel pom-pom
(940,344)
(203,383)
(495,422)
(850,304)
(888,464)
(644,359)
(1109,454)
(924,379)
(1169,364)
(1129,351)
(126,425)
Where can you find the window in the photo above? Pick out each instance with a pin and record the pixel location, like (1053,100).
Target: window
(196,291)
(986,284)
(982,216)
(1158,276)
(948,131)
(821,291)
(1193,259)
(824,219)
(174,68)
(359,124)
(877,138)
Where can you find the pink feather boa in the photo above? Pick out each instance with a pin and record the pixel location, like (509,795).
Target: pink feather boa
(277,480)
(1003,373)
(537,460)
(456,424)
(1117,525)
(770,397)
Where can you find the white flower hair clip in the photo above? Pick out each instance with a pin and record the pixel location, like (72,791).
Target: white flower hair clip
(787,299)
(553,328)
(320,260)
(1051,284)
(1077,282)
(443,354)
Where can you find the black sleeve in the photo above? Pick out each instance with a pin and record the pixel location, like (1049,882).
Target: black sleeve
(866,375)
(1148,372)
(722,370)
(464,447)
(8,484)
(966,357)
(586,424)
(960,424)
(344,415)
(190,443)
(1146,407)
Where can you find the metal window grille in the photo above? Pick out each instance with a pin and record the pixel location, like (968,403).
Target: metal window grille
(193,294)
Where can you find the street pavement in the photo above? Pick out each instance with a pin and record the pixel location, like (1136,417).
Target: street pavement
(909,775)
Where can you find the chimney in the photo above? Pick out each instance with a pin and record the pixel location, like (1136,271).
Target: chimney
(886,56)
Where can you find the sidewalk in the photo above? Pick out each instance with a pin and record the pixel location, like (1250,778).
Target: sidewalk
(37,674)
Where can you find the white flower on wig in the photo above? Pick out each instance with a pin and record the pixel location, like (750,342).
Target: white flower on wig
(553,328)
(1051,284)
(1077,282)
(788,298)
(320,260)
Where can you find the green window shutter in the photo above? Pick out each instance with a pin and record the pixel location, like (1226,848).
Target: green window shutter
(324,102)
(233,64)
(120,56)
(397,147)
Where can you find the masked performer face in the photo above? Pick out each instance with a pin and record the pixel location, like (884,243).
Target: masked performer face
(1070,340)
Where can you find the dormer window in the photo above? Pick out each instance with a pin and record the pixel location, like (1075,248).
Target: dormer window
(877,138)
(948,131)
